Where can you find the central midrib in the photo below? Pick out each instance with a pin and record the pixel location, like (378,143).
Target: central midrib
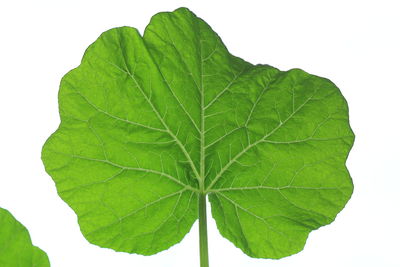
(202,125)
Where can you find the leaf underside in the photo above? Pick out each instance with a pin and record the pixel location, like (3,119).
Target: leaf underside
(148,123)
(16,249)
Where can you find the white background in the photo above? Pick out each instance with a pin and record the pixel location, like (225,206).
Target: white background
(354,43)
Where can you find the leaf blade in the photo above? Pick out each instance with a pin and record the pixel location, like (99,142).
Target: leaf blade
(159,119)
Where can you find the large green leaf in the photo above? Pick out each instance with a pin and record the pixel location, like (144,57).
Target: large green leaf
(16,249)
(148,124)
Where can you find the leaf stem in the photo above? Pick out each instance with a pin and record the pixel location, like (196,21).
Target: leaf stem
(203,231)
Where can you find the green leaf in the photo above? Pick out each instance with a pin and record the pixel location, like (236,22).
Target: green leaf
(16,249)
(150,124)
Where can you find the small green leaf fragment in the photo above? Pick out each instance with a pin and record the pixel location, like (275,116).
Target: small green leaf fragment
(16,249)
